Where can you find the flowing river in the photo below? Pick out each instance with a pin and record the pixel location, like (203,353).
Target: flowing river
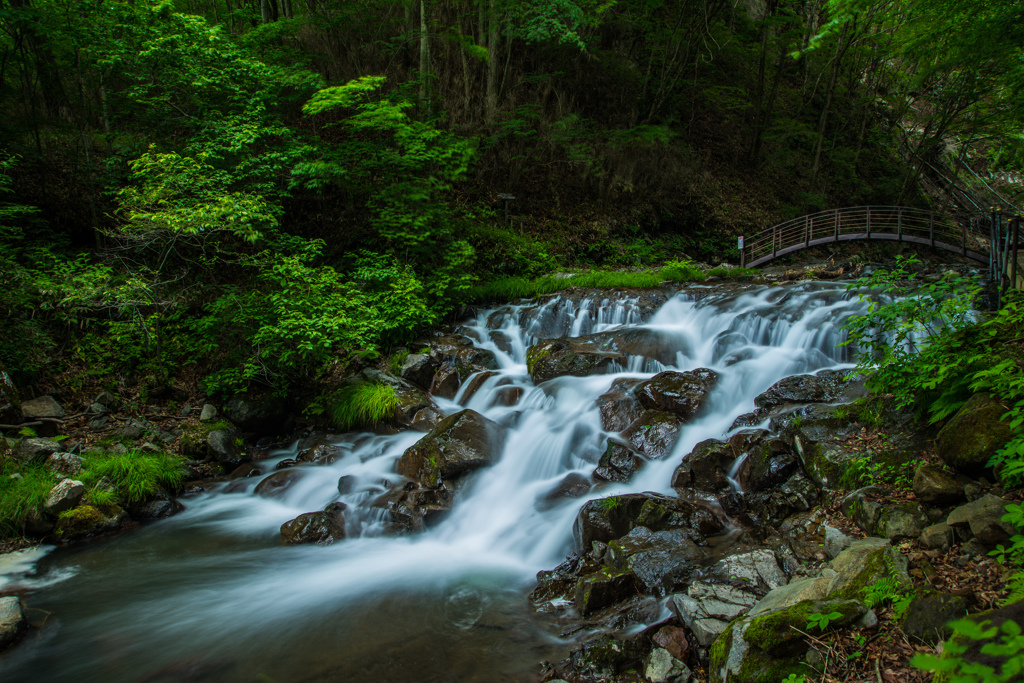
(211,594)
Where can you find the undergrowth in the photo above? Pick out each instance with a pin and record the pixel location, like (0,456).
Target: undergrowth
(362,404)
(23,488)
(135,474)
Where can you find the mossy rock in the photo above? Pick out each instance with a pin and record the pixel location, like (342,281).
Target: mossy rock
(88,520)
(866,561)
(973,435)
(733,659)
(779,633)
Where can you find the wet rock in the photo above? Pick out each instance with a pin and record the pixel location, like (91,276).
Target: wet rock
(602,588)
(412,510)
(866,561)
(937,536)
(573,485)
(34,450)
(653,434)
(973,435)
(863,507)
(757,570)
(64,496)
(446,381)
(797,494)
(275,485)
(619,406)
(707,609)
(13,623)
(67,464)
(705,468)
(474,384)
(99,423)
(662,667)
(347,484)
(927,616)
(244,471)
(604,657)
(576,357)
(419,369)
(794,592)
(159,505)
(426,419)
(320,452)
(208,413)
(606,519)
(44,406)
(934,486)
(673,639)
(827,386)
(263,416)
(10,405)
(460,443)
(320,528)
(286,463)
(89,520)
(663,561)
(984,519)
(681,393)
(223,446)
(618,464)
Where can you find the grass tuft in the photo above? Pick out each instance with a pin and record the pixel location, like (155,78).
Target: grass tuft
(136,474)
(20,495)
(365,403)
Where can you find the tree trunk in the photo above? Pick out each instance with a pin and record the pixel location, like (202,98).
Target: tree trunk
(424,58)
(492,63)
(841,49)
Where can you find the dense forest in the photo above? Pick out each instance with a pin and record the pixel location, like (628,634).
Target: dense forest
(256,190)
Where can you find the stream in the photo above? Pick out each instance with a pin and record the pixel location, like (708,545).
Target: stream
(212,594)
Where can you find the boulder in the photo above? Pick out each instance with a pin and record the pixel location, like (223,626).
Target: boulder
(13,623)
(603,588)
(661,667)
(157,506)
(208,413)
(607,519)
(446,381)
(707,609)
(929,613)
(44,406)
(973,435)
(262,416)
(275,485)
(419,369)
(572,485)
(64,496)
(619,405)
(10,405)
(576,357)
(460,443)
(937,536)
(866,561)
(756,571)
(673,639)
(35,450)
(618,464)
(934,486)
(67,464)
(984,517)
(663,561)
(835,541)
(653,434)
(320,452)
(901,523)
(827,386)
(321,528)
(222,445)
(681,393)
(89,520)
(794,592)
(796,494)
(705,468)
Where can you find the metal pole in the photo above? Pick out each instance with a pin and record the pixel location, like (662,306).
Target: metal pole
(869,222)
(837,225)
(899,224)
(931,227)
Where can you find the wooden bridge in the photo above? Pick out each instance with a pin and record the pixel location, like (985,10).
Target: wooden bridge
(990,239)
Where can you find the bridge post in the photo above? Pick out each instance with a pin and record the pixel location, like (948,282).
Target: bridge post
(774,230)
(1016,235)
(837,225)
(869,222)
(807,231)
(899,224)
(931,227)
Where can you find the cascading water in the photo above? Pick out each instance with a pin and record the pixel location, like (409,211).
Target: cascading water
(212,595)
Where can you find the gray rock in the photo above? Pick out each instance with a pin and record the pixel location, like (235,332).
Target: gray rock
(973,435)
(98,409)
(151,447)
(64,463)
(12,621)
(98,423)
(984,518)
(928,614)
(934,486)
(900,524)
(937,536)
(208,413)
(863,563)
(835,541)
(107,400)
(704,628)
(35,450)
(159,505)
(792,593)
(418,368)
(720,601)
(222,446)
(859,507)
(64,496)
(758,569)
(44,406)
(186,410)
(681,393)
(662,667)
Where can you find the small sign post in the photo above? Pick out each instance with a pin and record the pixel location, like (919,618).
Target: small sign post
(743,255)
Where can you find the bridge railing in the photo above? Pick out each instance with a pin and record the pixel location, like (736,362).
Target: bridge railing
(897,223)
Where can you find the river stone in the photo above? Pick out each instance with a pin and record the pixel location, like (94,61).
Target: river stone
(244,471)
(13,623)
(973,435)
(681,393)
(835,541)
(572,485)
(64,496)
(934,486)
(937,536)
(901,523)
(208,413)
(827,386)
(866,561)
(618,464)
(321,528)
(927,616)
(263,416)
(576,357)
(64,463)
(757,570)
(662,667)
(662,561)
(673,639)
(602,588)
(446,382)
(221,444)
(320,452)
(419,369)
(277,483)
(89,520)
(705,468)
(44,406)
(984,518)
(35,450)
(607,519)
(461,442)
(10,405)
(653,434)
(157,506)
(619,405)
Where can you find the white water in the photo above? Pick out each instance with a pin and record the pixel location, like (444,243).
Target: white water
(212,586)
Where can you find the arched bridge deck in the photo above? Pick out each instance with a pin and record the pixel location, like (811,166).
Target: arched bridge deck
(870,223)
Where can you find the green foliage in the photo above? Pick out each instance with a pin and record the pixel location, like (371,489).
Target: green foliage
(868,471)
(887,590)
(609,503)
(821,621)
(1014,554)
(23,489)
(362,404)
(135,474)
(794,678)
(1005,642)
